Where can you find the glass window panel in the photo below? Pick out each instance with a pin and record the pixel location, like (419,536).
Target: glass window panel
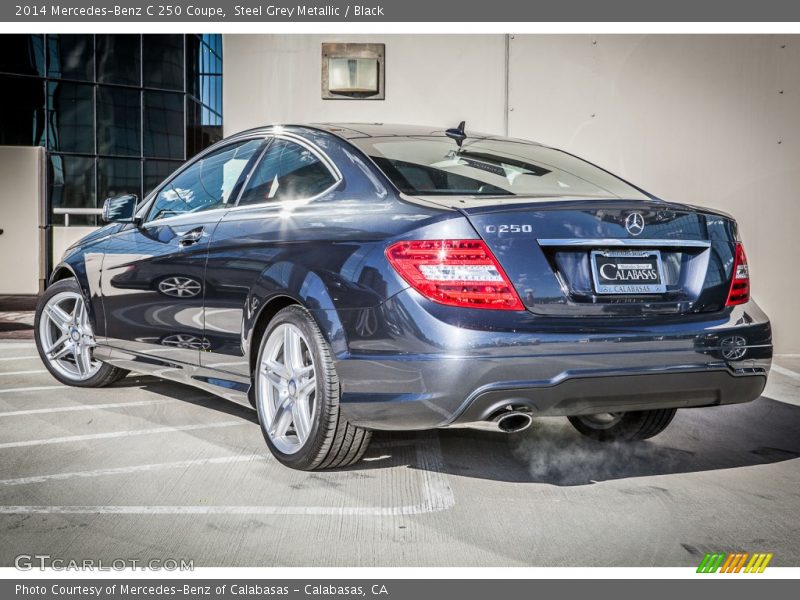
(72,185)
(71,118)
(118,176)
(22,111)
(212,96)
(192,65)
(210,134)
(71,57)
(192,128)
(118,121)
(22,54)
(163,61)
(156,171)
(287,171)
(205,185)
(485,167)
(118,59)
(163,125)
(217,107)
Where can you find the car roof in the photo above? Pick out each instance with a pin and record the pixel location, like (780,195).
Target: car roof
(353,131)
(365,130)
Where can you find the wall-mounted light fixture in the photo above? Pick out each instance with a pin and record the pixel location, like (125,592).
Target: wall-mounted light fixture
(353,71)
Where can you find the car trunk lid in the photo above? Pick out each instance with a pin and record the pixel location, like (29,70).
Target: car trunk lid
(582,256)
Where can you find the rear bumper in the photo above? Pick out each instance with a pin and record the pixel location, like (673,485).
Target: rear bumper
(619,393)
(427,366)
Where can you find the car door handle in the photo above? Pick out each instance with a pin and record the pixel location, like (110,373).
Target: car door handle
(191,237)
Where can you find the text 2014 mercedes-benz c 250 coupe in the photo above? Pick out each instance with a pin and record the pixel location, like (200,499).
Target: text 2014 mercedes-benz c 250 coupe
(349,278)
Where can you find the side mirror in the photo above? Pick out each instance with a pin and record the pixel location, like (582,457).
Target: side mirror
(121,209)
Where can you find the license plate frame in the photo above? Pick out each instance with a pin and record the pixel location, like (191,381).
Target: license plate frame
(636,287)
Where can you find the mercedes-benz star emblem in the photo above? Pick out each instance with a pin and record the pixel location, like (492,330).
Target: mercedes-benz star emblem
(634,223)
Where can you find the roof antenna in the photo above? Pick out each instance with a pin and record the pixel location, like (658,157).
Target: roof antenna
(457,133)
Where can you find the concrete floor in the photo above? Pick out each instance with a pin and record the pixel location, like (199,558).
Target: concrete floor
(149,469)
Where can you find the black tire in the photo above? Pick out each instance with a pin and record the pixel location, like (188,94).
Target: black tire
(630,426)
(105,375)
(333,442)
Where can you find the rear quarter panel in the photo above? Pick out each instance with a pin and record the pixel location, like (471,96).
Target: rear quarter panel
(327,254)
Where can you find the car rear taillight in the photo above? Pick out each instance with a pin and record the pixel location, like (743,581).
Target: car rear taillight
(740,284)
(454,272)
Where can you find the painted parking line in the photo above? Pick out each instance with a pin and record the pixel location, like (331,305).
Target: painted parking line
(8,358)
(120,434)
(34,371)
(57,409)
(16,345)
(38,388)
(437,496)
(180,464)
(786,372)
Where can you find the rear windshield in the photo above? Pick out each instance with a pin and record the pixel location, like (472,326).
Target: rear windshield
(423,166)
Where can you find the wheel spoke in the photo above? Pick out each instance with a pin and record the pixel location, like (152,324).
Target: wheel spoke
(304,371)
(54,353)
(282,418)
(277,369)
(301,419)
(58,317)
(292,350)
(307,387)
(78,312)
(83,360)
(275,379)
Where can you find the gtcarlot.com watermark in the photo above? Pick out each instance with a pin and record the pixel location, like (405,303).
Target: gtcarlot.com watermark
(29,562)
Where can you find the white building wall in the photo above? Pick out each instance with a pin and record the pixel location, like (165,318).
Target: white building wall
(21,201)
(429,80)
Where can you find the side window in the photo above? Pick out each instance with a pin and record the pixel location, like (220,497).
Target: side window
(287,171)
(206,184)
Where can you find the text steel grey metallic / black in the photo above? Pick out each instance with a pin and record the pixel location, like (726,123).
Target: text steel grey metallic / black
(348,278)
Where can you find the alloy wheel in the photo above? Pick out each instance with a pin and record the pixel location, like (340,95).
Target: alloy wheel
(67,338)
(287,386)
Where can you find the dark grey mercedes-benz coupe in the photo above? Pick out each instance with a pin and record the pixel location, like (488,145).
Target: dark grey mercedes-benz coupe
(345,278)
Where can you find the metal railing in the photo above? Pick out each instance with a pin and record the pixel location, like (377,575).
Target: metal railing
(76,211)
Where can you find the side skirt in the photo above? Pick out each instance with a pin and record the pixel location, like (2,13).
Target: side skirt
(209,380)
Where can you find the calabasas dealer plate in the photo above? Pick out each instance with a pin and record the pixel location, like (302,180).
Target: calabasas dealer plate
(627,272)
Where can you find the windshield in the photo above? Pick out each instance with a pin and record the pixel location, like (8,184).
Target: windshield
(423,166)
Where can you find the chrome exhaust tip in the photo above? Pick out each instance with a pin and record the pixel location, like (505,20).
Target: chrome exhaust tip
(512,421)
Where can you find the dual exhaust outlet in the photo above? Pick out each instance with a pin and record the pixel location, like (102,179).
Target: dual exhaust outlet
(511,421)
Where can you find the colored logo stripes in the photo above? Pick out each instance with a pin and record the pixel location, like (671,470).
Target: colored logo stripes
(735,562)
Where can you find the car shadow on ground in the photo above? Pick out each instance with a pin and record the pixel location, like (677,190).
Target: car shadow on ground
(187,394)
(552,452)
